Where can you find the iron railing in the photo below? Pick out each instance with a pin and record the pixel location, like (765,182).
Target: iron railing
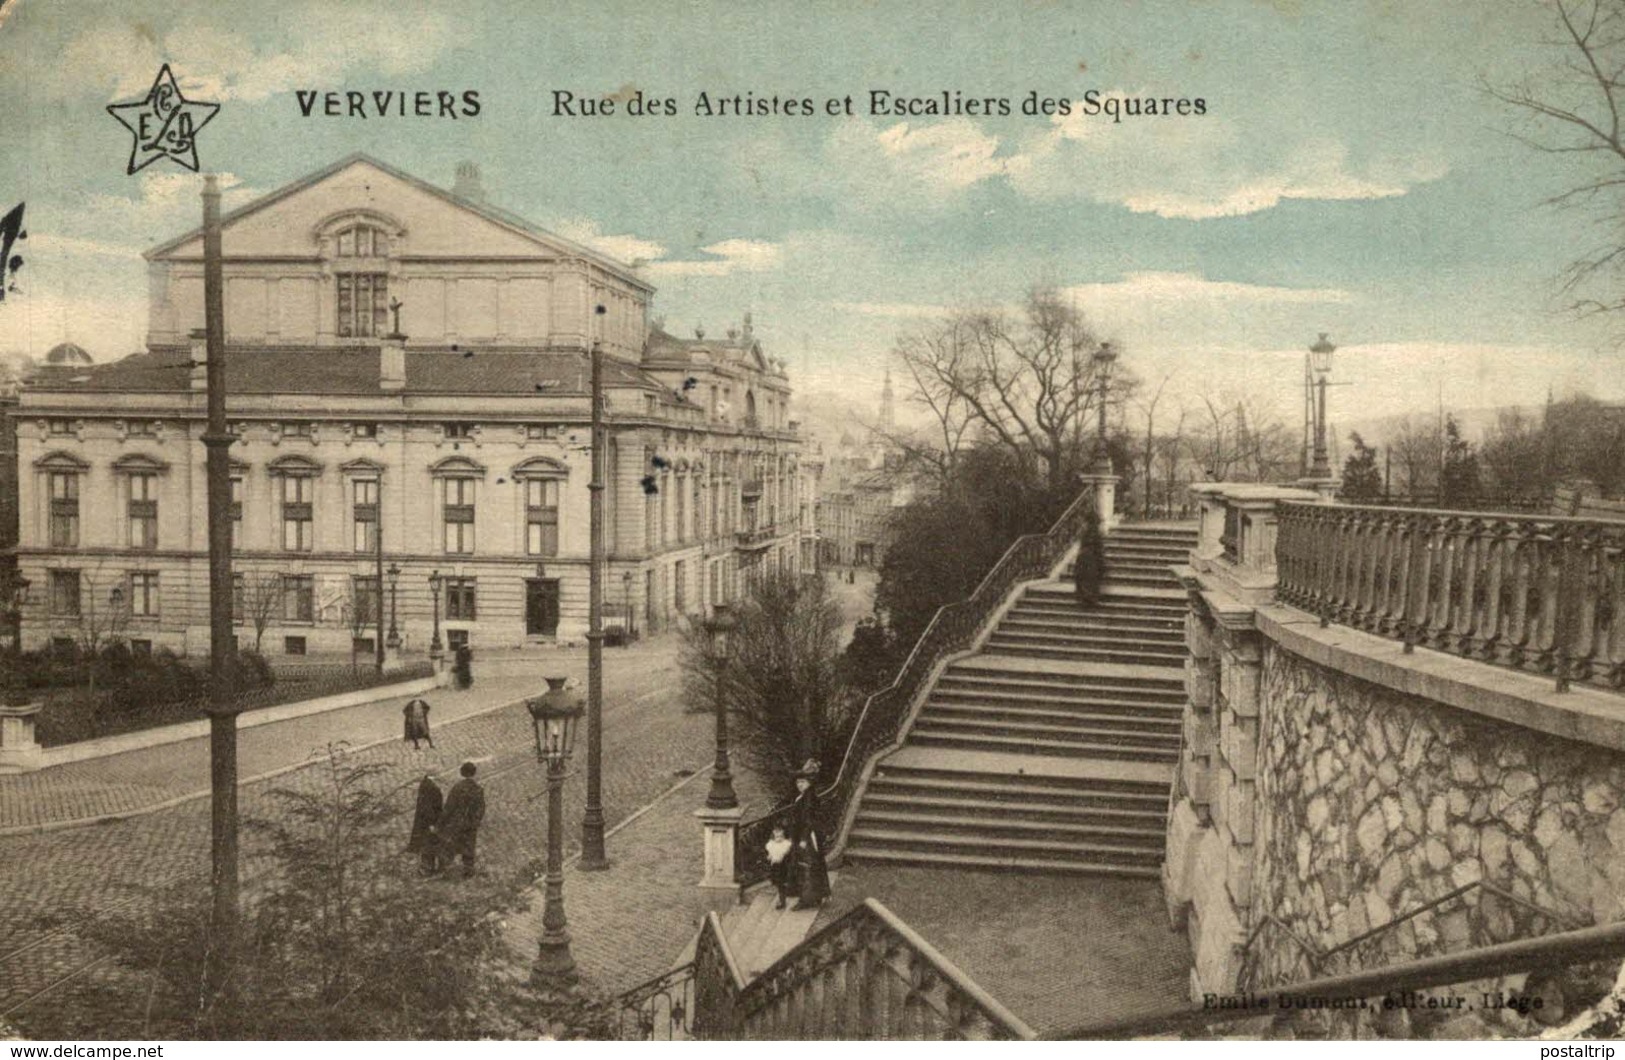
(952,629)
(1540,594)
(658,1010)
(1547,953)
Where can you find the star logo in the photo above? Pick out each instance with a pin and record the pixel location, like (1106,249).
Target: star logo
(165,124)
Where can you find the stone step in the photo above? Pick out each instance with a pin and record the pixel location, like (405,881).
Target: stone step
(1133,702)
(1071,617)
(927,735)
(923,799)
(1135,720)
(1078,731)
(1166,645)
(1081,654)
(1006,827)
(1048,852)
(876,854)
(1169,689)
(1032,789)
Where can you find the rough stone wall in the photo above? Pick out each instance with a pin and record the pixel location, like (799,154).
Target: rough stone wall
(1373,802)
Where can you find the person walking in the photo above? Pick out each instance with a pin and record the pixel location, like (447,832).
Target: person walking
(417,722)
(460,821)
(425,841)
(809,845)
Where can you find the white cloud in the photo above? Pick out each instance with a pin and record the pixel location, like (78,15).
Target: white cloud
(729,256)
(933,160)
(325,42)
(627,248)
(1189,287)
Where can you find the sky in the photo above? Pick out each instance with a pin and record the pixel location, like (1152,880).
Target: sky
(1347,175)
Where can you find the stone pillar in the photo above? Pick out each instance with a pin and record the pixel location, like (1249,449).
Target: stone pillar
(1326,489)
(721,833)
(1105,486)
(19,750)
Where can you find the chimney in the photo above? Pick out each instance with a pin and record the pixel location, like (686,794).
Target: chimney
(200,360)
(392,362)
(468,186)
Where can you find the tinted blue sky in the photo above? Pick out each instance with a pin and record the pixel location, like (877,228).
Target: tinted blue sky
(1347,176)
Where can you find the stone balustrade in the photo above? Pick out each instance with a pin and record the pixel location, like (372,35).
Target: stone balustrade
(1540,594)
(866,976)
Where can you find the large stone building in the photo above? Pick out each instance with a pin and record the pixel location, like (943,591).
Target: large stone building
(465,440)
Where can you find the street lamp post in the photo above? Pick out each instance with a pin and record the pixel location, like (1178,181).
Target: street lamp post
(593,856)
(435,647)
(1104,360)
(1320,355)
(394,573)
(378,572)
(719,626)
(18,600)
(554,714)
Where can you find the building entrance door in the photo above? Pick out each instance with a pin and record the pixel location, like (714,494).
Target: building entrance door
(541,607)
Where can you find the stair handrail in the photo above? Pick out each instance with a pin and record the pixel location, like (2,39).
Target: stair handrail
(1543,953)
(952,628)
(877,954)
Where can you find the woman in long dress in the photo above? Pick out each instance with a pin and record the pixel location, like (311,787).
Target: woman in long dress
(809,844)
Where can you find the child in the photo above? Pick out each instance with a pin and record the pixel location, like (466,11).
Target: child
(778,861)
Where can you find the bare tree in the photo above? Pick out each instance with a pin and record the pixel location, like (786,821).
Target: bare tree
(945,348)
(1418,450)
(1024,381)
(1574,110)
(104,613)
(1148,450)
(260,602)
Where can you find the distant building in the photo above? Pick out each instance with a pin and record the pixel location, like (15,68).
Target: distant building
(465,439)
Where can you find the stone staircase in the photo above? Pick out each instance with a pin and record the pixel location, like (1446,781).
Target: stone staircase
(1053,748)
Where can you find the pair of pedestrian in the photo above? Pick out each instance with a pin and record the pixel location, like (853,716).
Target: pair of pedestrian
(796,862)
(445,827)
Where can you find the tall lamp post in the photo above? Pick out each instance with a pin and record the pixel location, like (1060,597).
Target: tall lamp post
(719,626)
(593,856)
(14,606)
(555,714)
(1104,360)
(435,647)
(1320,359)
(394,573)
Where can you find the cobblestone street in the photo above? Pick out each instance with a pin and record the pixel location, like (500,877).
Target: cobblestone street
(53,881)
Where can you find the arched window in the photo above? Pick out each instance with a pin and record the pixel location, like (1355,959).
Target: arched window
(363,281)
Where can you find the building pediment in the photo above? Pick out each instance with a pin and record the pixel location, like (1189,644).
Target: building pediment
(139,463)
(540,467)
(363,467)
(294,465)
(61,460)
(457,467)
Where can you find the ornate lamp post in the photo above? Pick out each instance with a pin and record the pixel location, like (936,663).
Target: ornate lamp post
(1320,360)
(394,573)
(719,626)
(626,598)
(555,714)
(14,606)
(435,647)
(1104,360)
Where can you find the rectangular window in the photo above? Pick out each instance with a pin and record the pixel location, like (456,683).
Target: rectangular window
(457,514)
(140,647)
(458,431)
(64,509)
(361,646)
(141,428)
(296,429)
(293,645)
(537,431)
(460,599)
(367,598)
(364,492)
(60,427)
(363,430)
(65,593)
(665,508)
(682,509)
(238,598)
(236,510)
(542,516)
(143,511)
(363,304)
(456,638)
(298,598)
(298,518)
(144,594)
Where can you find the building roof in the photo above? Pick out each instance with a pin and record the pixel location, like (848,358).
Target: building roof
(68,353)
(491,213)
(338,370)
